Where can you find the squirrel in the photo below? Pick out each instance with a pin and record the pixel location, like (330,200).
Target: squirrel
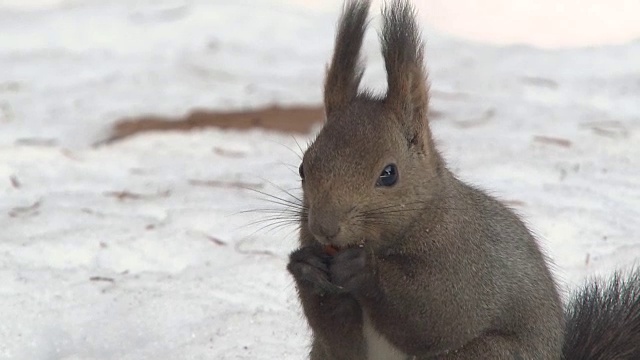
(399,259)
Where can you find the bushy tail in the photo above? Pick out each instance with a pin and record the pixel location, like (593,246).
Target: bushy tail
(603,321)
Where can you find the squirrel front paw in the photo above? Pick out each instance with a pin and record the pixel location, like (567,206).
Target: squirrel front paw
(309,265)
(351,271)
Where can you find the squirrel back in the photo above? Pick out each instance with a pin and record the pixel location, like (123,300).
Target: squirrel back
(399,259)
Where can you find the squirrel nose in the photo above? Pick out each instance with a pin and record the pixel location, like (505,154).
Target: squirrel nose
(324,226)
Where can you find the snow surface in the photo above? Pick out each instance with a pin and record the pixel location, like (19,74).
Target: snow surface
(140,249)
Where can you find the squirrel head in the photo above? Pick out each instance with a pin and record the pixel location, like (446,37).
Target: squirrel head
(373,166)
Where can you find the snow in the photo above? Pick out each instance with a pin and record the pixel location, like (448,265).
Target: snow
(142,250)
(544,23)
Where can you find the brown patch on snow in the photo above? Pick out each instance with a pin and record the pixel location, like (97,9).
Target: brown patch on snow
(290,119)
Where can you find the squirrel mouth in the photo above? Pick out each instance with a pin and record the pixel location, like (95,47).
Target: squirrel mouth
(332,250)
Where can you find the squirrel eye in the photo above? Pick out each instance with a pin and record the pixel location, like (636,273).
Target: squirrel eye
(389,176)
(301,172)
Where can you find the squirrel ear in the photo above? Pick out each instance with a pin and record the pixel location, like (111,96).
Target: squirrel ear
(344,73)
(408,92)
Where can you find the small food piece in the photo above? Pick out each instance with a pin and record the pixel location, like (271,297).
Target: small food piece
(330,250)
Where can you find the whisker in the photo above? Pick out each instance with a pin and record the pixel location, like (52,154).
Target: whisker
(286,213)
(275,217)
(285,210)
(286,147)
(299,147)
(276,228)
(398,205)
(404,208)
(366,230)
(290,167)
(274,224)
(279,200)
(288,192)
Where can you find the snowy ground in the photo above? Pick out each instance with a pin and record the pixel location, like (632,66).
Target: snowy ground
(136,250)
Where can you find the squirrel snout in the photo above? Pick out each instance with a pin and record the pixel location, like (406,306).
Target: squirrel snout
(324,226)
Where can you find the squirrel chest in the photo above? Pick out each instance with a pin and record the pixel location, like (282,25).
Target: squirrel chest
(378,347)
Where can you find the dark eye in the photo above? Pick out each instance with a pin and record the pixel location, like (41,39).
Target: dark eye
(301,172)
(389,176)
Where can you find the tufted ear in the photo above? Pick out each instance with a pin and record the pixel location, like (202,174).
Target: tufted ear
(408,92)
(344,72)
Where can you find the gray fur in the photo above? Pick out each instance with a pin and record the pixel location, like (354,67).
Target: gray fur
(345,72)
(430,268)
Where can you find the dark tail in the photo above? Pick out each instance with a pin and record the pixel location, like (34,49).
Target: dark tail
(344,73)
(603,321)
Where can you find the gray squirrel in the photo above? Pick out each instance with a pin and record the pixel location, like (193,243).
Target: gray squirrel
(399,259)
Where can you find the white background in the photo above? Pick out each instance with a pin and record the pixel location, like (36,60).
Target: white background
(173,271)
